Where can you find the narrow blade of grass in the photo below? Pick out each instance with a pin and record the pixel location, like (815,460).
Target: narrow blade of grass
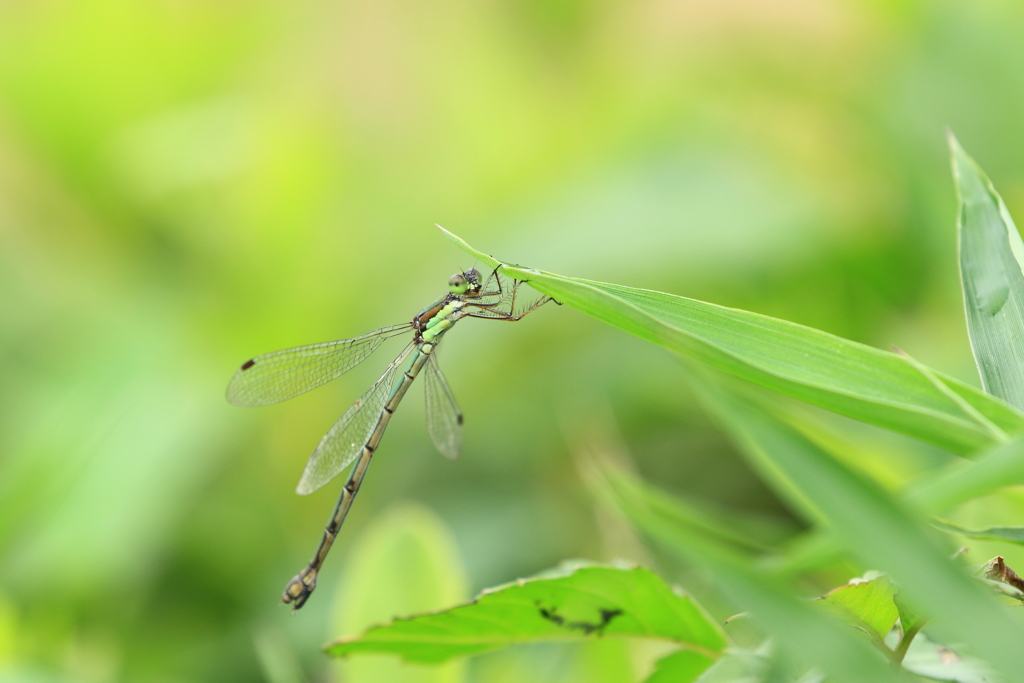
(1011,534)
(877,531)
(852,379)
(962,481)
(809,637)
(991,254)
(674,508)
(932,494)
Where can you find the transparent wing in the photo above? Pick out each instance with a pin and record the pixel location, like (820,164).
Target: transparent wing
(281,375)
(444,419)
(345,441)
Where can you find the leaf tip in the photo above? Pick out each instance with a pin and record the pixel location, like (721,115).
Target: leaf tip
(957,156)
(970,180)
(452,236)
(951,139)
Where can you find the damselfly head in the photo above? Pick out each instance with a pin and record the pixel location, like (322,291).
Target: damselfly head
(461,283)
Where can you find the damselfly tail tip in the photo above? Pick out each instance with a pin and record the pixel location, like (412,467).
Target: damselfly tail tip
(300,588)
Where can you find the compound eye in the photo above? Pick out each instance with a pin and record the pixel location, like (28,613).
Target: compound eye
(473,275)
(458,284)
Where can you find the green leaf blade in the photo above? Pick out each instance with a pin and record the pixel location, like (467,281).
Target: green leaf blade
(587,602)
(682,666)
(962,481)
(939,663)
(809,637)
(1009,534)
(852,379)
(991,257)
(877,531)
(378,586)
(868,602)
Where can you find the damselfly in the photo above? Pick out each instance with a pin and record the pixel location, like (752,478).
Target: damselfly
(281,375)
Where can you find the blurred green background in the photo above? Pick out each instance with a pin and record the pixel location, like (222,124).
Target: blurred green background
(186,184)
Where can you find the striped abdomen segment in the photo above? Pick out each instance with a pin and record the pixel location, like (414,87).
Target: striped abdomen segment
(301,587)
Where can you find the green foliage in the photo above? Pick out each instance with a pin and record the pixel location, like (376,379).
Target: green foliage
(852,379)
(683,666)
(1011,534)
(961,481)
(737,665)
(850,514)
(869,602)
(876,530)
(806,635)
(378,584)
(186,184)
(991,262)
(572,604)
(939,663)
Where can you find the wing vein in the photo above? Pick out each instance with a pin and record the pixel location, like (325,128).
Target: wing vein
(343,443)
(281,375)
(444,419)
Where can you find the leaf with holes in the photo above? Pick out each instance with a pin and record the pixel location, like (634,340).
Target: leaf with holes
(571,604)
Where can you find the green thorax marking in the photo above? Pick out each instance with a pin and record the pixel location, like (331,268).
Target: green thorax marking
(443,321)
(442,315)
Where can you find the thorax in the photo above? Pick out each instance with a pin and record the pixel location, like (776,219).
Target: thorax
(436,319)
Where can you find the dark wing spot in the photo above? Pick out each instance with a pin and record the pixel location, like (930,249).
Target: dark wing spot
(248,364)
(459,418)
